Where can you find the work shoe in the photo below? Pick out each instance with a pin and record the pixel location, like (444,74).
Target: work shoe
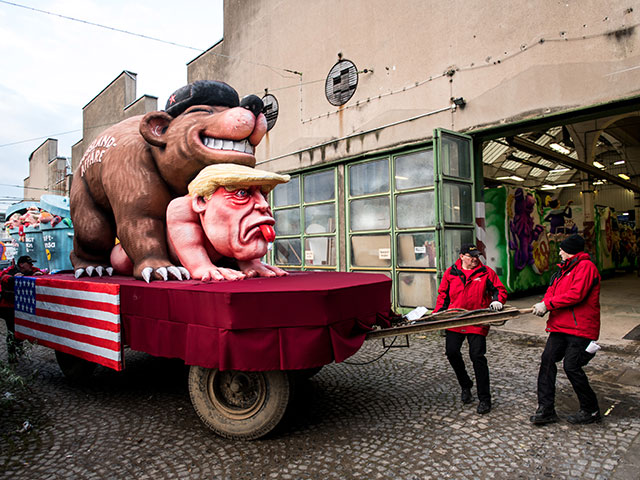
(484,407)
(466,396)
(544,415)
(583,417)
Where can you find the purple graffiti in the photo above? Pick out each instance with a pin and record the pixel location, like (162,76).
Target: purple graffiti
(522,232)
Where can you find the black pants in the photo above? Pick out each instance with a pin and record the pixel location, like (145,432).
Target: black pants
(477,350)
(8,315)
(572,349)
(14,346)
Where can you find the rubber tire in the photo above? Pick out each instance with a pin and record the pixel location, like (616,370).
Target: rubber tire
(75,368)
(268,395)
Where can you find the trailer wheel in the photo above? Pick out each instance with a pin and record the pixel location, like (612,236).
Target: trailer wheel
(74,368)
(239,405)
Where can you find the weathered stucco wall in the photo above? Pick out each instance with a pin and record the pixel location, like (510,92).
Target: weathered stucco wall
(509,61)
(37,183)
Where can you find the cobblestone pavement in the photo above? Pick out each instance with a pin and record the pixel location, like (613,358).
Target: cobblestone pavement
(399,417)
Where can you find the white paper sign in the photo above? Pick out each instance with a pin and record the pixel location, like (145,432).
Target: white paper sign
(308,255)
(420,250)
(384,254)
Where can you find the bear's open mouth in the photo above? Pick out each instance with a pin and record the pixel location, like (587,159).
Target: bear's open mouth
(242,146)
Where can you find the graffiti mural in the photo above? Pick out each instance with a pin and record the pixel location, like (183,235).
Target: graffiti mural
(527,256)
(524,229)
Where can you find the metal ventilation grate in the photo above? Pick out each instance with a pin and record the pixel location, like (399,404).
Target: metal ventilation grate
(341,82)
(270,110)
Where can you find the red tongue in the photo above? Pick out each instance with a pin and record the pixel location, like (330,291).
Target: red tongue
(268,232)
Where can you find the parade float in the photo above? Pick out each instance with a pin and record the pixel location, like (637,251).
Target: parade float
(168,262)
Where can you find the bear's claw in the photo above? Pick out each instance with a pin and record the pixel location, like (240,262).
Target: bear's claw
(178,272)
(90,270)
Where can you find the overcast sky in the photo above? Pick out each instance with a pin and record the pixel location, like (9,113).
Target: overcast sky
(52,66)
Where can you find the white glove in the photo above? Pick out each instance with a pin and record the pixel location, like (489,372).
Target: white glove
(539,309)
(495,306)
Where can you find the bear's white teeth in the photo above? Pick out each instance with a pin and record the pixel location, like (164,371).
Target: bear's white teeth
(243,146)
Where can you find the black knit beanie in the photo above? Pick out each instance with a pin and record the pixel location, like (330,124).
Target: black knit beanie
(572,244)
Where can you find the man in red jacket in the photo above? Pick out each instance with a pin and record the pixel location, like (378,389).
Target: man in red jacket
(470,285)
(573,300)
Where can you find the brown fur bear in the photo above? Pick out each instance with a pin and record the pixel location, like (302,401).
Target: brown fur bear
(130,173)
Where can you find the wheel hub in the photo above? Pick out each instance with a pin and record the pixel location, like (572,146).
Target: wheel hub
(237,394)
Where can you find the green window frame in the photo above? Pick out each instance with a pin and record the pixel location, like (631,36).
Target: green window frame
(397,235)
(405,215)
(456,194)
(307,227)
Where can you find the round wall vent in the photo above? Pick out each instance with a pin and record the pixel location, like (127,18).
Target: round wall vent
(270,110)
(341,82)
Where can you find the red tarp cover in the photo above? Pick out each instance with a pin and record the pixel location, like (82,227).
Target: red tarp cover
(304,320)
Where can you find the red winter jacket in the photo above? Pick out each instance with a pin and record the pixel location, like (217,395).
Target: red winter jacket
(7,278)
(478,291)
(573,298)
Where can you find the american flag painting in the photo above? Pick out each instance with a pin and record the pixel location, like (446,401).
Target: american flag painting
(75,317)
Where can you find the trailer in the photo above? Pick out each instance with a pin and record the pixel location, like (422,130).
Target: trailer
(245,342)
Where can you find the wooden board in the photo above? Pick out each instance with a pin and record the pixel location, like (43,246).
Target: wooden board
(449,319)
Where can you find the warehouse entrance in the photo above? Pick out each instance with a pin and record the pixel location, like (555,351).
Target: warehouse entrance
(575,172)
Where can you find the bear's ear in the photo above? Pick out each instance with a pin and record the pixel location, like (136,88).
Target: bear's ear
(198,204)
(153,127)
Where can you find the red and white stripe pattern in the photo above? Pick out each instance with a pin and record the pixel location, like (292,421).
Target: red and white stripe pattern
(481,230)
(75,317)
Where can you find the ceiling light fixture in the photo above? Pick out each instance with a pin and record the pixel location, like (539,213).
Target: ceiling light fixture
(624,176)
(559,148)
(511,177)
(597,164)
(619,162)
(559,170)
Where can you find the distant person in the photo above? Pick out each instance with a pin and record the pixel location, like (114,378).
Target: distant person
(556,216)
(23,268)
(470,285)
(573,303)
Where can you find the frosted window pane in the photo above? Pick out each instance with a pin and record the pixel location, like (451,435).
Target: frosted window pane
(369,214)
(417,289)
(453,239)
(320,218)
(414,170)
(320,251)
(456,199)
(369,177)
(455,157)
(415,210)
(287,193)
(370,250)
(417,250)
(319,186)
(287,252)
(287,221)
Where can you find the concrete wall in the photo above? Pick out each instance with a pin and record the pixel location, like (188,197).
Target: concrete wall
(116,102)
(41,161)
(510,61)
